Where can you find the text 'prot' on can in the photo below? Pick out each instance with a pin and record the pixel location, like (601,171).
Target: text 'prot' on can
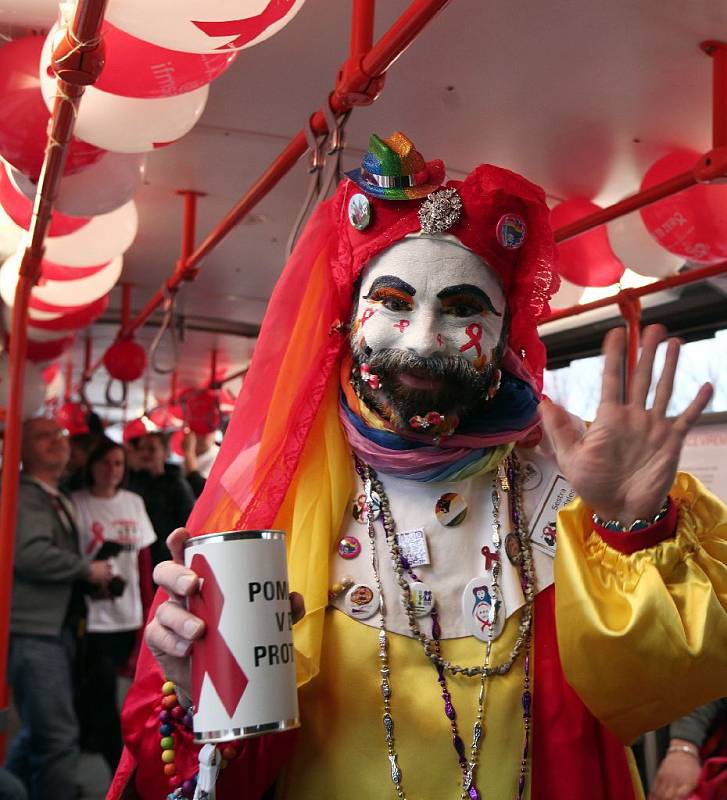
(243,669)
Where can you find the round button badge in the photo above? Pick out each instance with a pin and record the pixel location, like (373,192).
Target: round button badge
(451,509)
(360,508)
(422,598)
(361,601)
(349,547)
(359,211)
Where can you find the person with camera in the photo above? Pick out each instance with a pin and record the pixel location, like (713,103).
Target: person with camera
(47,611)
(113,524)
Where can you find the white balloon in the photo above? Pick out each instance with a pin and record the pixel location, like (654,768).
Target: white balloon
(61,293)
(33,387)
(101,240)
(171,23)
(567,295)
(99,188)
(35,334)
(638,250)
(126,124)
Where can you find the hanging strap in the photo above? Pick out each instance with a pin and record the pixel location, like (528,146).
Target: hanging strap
(169,301)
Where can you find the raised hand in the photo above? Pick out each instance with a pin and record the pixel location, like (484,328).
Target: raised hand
(624,464)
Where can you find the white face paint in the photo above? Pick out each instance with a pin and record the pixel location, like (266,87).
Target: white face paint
(430,296)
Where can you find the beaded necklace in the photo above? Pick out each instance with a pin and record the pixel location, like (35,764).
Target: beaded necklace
(510,483)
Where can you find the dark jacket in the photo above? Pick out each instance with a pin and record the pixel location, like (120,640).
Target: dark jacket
(48,564)
(168,499)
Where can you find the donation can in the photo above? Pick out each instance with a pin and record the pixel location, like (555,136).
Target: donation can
(243,670)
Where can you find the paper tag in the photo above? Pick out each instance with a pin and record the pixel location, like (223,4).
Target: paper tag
(413,546)
(542,527)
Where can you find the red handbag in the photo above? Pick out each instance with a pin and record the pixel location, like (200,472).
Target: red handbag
(712,781)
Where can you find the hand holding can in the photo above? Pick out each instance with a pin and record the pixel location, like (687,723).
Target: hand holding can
(172,632)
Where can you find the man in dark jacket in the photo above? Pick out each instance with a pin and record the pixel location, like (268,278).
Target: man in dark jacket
(47,605)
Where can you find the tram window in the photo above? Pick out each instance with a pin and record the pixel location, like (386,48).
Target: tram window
(578,386)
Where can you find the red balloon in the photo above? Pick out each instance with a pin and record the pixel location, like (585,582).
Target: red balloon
(125,360)
(692,223)
(72,417)
(587,259)
(85,316)
(24,118)
(47,351)
(20,210)
(136,68)
(201,410)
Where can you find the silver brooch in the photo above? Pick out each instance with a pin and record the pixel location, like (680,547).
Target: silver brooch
(440,211)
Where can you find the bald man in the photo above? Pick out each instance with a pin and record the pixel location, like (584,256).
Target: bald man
(47,607)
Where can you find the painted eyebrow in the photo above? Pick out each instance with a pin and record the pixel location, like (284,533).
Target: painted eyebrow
(468,288)
(390,282)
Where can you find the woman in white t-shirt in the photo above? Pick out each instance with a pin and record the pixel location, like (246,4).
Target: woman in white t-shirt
(112,522)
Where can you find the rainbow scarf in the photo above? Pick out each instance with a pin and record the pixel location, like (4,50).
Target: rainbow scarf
(477,446)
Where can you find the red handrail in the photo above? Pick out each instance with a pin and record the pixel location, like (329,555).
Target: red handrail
(360,77)
(79,66)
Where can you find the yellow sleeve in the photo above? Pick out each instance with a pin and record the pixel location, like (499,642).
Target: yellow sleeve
(643,637)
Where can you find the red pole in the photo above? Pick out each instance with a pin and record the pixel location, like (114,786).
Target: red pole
(718,52)
(125,304)
(213,366)
(358,80)
(68,387)
(78,66)
(682,279)
(631,311)
(362,27)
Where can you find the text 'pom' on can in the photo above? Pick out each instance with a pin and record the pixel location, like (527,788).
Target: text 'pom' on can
(243,670)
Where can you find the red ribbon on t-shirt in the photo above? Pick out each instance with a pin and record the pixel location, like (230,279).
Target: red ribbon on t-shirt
(212,654)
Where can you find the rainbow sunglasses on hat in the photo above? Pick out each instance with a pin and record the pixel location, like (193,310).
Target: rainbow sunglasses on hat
(393,169)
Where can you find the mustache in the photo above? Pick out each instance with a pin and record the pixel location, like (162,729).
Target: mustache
(452,368)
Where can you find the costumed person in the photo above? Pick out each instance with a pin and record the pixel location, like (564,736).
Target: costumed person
(113,523)
(388,424)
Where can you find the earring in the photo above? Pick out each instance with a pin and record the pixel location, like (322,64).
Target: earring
(495,385)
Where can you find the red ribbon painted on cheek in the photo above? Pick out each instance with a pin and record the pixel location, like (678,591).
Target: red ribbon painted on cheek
(474,331)
(367,316)
(402,325)
(212,654)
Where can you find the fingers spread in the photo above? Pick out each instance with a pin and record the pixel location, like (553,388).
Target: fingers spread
(665,386)
(560,426)
(614,346)
(175,579)
(690,415)
(650,340)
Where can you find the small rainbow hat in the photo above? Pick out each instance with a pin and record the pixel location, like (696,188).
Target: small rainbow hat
(393,169)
